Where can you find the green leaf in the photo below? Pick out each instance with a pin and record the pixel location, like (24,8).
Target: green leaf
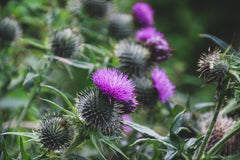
(176,124)
(61,94)
(235,74)
(5,154)
(25,156)
(30,76)
(33,136)
(219,42)
(33,42)
(93,138)
(74,62)
(142,140)
(110,144)
(147,132)
(170,154)
(58,106)
(202,106)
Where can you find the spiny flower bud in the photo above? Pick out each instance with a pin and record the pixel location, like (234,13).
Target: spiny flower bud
(120,26)
(221,127)
(65,43)
(98,113)
(96,8)
(133,57)
(147,95)
(55,132)
(9,30)
(213,67)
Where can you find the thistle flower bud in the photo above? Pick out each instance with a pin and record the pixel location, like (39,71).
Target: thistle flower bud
(143,14)
(9,30)
(120,26)
(133,57)
(213,67)
(159,48)
(96,8)
(55,132)
(65,43)
(221,127)
(98,113)
(147,95)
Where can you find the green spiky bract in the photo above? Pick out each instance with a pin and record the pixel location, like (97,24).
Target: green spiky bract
(120,26)
(98,113)
(147,95)
(65,43)
(133,57)
(55,132)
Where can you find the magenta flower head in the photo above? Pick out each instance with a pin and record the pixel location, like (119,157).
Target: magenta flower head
(147,33)
(126,128)
(115,84)
(143,14)
(159,48)
(163,85)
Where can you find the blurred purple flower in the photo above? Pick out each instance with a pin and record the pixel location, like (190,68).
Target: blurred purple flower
(159,48)
(143,14)
(115,84)
(126,128)
(163,85)
(147,33)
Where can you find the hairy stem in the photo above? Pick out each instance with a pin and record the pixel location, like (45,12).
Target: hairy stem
(209,132)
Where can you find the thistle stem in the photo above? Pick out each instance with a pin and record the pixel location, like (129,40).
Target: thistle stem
(209,132)
(230,134)
(35,92)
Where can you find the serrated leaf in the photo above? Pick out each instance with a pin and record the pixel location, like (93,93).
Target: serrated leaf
(110,144)
(25,156)
(220,42)
(142,140)
(33,135)
(61,94)
(147,132)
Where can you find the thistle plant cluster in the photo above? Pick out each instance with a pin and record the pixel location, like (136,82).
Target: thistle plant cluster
(141,56)
(119,58)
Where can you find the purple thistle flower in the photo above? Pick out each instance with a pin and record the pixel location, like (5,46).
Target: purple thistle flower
(163,85)
(115,84)
(126,128)
(147,33)
(159,48)
(143,14)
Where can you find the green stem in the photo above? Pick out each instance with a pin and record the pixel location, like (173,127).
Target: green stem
(35,92)
(229,135)
(24,112)
(209,132)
